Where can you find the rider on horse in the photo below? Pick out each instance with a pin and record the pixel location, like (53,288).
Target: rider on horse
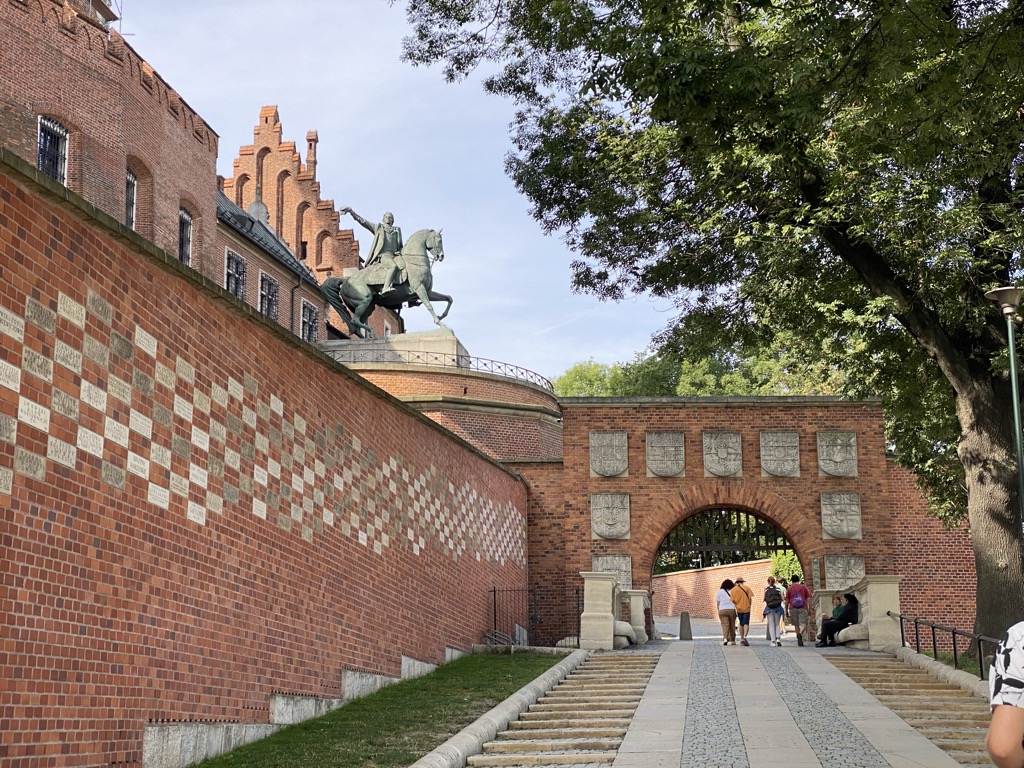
(387,242)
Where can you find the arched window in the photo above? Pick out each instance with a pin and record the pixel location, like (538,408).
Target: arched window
(320,238)
(138,197)
(260,157)
(184,236)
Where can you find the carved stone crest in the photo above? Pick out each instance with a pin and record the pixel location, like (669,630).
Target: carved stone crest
(837,453)
(780,453)
(723,453)
(843,570)
(609,515)
(840,515)
(666,455)
(620,565)
(608,456)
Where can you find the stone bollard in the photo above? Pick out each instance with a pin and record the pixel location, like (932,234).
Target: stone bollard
(685,632)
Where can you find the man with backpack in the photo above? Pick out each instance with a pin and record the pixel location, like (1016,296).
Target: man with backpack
(797,599)
(773,611)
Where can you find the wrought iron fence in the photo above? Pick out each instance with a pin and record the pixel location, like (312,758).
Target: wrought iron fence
(351,354)
(974,639)
(541,616)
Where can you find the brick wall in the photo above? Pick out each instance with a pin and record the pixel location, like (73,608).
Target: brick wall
(119,114)
(197,509)
(694,591)
(937,564)
(504,417)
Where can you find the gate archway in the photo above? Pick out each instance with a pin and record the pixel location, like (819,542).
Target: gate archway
(720,536)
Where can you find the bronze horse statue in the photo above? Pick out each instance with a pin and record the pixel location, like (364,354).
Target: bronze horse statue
(356,297)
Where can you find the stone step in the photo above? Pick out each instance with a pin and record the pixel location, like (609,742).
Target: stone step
(562,714)
(554,721)
(569,732)
(637,688)
(599,706)
(972,758)
(943,720)
(550,745)
(525,761)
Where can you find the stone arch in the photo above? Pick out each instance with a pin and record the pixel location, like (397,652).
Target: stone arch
(710,494)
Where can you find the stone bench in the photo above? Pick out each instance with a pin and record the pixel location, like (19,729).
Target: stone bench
(875,630)
(854,636)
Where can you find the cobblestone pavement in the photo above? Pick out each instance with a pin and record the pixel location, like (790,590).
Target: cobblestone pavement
(761,707)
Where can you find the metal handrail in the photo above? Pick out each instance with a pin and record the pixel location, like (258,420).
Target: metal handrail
(352,354)
(953,631)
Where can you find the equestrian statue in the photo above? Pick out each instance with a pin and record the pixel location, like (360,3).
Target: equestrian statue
(395,273)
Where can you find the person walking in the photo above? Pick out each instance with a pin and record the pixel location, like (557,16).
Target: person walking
(773,611)
(798,597)
(743,597)
(727,612)
(1006,695)
(783,585)
(831,627)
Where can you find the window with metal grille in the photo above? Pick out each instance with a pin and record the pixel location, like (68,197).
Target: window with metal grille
(310,322)
(235,278)
(268,296)
(130,186)
(184,236)
(53,149)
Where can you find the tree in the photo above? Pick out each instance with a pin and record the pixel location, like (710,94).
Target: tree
(586,379)
(846,172)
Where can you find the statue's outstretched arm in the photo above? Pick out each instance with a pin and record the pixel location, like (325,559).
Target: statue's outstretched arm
(359,219)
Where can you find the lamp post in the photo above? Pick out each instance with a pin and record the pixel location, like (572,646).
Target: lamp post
(1008,300)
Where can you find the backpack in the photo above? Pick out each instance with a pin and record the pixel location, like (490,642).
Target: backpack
(797,601)
(772,597)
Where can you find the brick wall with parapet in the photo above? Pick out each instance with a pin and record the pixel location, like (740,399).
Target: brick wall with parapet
(119,114)
(694,592)
(198,509)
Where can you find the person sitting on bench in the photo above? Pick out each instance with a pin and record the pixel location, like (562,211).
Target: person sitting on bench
(831,627)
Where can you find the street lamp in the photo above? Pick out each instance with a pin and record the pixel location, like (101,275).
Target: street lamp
(1008,300)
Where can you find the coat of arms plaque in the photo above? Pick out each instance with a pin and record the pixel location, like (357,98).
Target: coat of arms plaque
(665,453)
(723,453)
(608,456)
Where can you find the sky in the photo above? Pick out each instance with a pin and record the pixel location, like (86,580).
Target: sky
(396,138)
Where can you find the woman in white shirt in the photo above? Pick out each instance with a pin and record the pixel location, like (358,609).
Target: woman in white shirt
(727,612)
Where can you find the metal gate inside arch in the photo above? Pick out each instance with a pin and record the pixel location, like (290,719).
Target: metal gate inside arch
(719,537)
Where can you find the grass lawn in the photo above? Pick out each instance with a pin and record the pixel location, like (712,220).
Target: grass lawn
(966,663)
(399,724)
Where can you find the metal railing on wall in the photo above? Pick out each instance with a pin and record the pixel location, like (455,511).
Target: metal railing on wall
(353,355)
(972,639)
(547,618)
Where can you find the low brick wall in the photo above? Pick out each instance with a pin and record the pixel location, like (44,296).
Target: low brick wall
(693,592)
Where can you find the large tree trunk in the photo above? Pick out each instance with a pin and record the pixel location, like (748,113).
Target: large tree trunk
(988,455)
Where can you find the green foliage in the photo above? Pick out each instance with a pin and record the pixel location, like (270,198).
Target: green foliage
(399,724)
(785,564)
(586,379)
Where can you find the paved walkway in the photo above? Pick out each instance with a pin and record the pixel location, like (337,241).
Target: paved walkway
(762,707)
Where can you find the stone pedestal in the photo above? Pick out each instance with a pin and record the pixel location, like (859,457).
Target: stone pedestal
(639,602)
(877,595)
(600,608)
(438,347)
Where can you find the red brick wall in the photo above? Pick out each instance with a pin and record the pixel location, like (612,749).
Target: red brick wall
(694,591)
(504,417)
(196,509)
(118,112)
(937,564)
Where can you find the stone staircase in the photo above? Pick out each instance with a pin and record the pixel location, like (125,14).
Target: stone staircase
(949,717)
(581,721)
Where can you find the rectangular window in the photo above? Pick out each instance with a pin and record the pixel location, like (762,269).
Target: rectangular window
(184,236)
(130,184)
(235,278)
(310,322)
(53,149)
(268,296)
